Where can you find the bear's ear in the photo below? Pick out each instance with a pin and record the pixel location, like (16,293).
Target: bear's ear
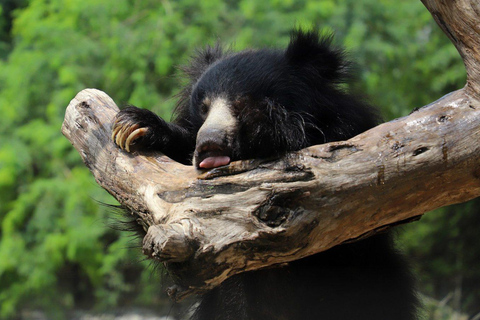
(314,53)
(201,60)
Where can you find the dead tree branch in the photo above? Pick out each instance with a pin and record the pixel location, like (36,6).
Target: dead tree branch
(208,226)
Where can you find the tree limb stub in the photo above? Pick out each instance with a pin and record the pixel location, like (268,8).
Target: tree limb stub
(208,226)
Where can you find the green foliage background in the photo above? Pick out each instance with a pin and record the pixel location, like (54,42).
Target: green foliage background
(57,251)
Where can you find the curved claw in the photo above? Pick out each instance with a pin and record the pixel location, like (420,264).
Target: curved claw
(123,135)
(115,130)
(118,138)
(137,133)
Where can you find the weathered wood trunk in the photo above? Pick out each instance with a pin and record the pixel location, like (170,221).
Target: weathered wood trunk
(208,226)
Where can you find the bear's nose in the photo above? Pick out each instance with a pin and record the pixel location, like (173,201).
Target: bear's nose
(212,149)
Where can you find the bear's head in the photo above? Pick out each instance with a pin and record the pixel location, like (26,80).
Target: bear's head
(263,103)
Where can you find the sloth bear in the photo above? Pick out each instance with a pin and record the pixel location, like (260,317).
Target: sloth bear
(264,103)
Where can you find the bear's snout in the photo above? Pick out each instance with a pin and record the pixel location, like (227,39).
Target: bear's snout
(212,149)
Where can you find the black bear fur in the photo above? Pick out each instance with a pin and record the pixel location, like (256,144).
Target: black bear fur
(276,101)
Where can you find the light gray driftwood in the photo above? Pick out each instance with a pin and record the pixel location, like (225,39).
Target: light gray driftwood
(208,226)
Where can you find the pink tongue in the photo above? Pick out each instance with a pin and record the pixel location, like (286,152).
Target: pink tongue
(213,162)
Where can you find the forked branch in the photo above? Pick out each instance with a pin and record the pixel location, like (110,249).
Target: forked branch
(208,226)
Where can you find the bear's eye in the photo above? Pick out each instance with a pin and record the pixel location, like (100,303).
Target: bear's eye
(205,106)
